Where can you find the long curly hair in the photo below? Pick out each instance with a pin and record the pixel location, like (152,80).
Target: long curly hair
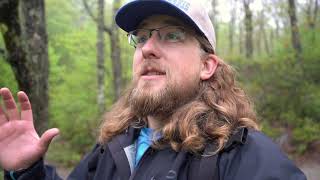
(212,117)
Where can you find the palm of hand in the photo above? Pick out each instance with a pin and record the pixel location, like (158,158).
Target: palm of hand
(19,142)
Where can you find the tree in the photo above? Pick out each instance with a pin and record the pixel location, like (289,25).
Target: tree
(311,15)
(233,13)
(248,28)
(262,31)
(312,12)
(26,42)
(100,58)
(295,36)
(113,32)
(241,38)
(214,19)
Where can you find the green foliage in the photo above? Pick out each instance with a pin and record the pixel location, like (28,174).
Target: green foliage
(7,78)
(62,16)
(62,153)
(286,91)
(73,89)
(306,132)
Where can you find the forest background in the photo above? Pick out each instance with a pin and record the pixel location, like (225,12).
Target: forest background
(73,61)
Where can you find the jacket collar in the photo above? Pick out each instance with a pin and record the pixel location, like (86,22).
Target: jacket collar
(117,146)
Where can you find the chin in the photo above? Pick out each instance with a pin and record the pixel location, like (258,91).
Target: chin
(151,85)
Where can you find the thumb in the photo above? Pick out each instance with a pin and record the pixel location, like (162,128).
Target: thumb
(47,137)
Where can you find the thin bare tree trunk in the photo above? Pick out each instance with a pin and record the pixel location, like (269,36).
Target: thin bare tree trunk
(26,43)
(258,37)
(315,15)
(263,32)
(113,32)
(214,14)
(116,53)
(295,37)
(275,14)
(315,12)
(277,29)
(100,58)
(232,25)
(271,42)
(249,28)
(311,14)
(240,38)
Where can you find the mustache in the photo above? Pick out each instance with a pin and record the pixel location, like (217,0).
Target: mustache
(151,65)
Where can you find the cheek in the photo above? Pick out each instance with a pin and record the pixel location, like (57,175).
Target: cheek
(185,73)
(136,63)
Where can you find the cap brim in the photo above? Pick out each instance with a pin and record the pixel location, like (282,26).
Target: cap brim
(130,15)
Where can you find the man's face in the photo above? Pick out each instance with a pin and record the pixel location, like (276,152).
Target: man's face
(165,74)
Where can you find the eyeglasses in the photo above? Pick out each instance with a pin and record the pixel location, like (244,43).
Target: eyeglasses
(166,34)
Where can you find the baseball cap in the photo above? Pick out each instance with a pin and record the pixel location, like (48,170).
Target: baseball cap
(191,12)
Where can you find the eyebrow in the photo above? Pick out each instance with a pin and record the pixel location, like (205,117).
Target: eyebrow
(165,22)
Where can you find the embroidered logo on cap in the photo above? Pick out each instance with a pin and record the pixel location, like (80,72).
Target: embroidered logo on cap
(181,4)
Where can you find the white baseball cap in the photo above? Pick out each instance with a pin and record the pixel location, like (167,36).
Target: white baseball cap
(191,12)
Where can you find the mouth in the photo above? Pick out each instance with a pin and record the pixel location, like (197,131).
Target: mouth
(149,71)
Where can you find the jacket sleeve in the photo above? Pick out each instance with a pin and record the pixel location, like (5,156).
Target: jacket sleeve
(37,171)
(258,159)
(40,171)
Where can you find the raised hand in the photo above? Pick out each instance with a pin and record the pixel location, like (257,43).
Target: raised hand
(20,145)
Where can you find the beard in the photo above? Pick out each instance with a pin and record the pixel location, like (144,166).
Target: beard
(163,102)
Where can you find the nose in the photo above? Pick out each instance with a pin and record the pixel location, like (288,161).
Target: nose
(151,49)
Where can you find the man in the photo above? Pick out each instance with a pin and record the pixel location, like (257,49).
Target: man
(183,117)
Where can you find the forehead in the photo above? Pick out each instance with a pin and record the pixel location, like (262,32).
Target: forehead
(156,21)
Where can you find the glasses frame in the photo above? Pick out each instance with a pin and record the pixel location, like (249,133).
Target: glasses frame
(131,33)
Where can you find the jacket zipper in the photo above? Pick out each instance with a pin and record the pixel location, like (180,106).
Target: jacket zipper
(140,162)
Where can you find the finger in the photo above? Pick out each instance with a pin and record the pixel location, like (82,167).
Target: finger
(10,104)
(26,111)
(3,118)
(47,137)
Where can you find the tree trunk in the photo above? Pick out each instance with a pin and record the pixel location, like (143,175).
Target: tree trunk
(113,32)
(314,20)
(100,58)
(257,41)
(116,54)
(277,29)
(249,28)
(311,14)
(26,43)
(271,42)
(264,33)
(315,12)
(295,37)
(214,14)
(240,38)
(232,25)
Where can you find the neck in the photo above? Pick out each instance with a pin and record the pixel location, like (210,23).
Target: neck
(155,122)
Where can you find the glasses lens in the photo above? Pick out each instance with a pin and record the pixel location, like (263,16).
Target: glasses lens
(172,34)
(138,37)
(167,34)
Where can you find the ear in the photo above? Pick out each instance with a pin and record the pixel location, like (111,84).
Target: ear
(209,66)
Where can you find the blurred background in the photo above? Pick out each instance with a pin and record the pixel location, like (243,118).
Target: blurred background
(73,62)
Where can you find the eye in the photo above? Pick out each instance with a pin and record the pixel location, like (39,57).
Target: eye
(141,36)
(141,39)
(174,36)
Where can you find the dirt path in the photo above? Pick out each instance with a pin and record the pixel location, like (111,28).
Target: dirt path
(312,170)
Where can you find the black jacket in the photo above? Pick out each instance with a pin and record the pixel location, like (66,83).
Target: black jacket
(249,155)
